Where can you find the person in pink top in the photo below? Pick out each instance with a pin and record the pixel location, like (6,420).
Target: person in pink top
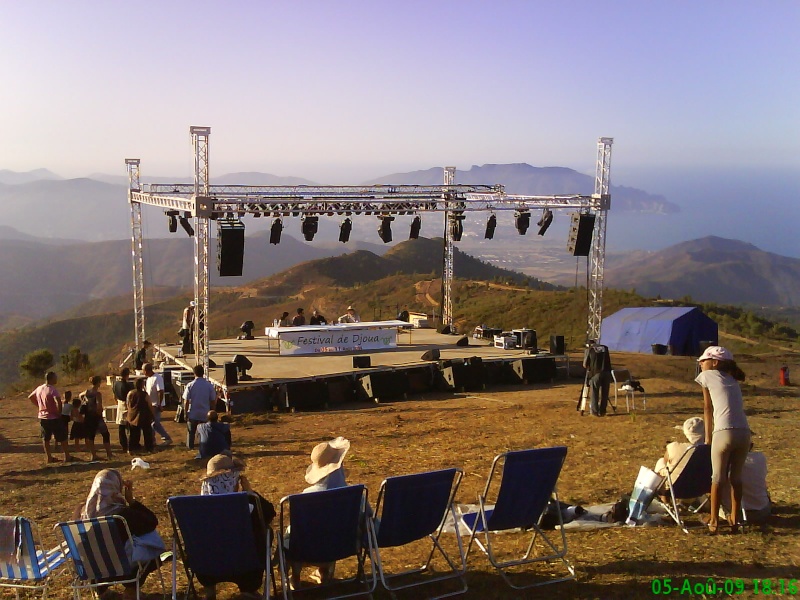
(47,399)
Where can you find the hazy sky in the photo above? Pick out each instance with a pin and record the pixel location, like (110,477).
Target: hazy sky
(341,91)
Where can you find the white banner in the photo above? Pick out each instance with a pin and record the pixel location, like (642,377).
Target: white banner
(316,342)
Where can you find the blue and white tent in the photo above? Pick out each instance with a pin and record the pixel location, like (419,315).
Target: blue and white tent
(638,329)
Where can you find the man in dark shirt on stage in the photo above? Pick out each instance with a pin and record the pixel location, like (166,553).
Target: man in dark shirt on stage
(299,318)
(317,319)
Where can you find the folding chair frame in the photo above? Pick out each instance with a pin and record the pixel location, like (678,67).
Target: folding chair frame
(674,510)
(457,571)
(81,578)
(179,549)
(630,396)
(36,568)
(364,544)
(484,515)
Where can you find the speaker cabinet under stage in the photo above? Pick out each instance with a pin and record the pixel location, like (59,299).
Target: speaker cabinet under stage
(382,385)
(230,247)
(534,370)
(462,374)
(557,345)
(579,242)
(341,390)
(303,395)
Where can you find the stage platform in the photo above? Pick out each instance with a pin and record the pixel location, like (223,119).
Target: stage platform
(274,378)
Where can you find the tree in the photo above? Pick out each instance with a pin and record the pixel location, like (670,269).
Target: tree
(75,360)
(35,364)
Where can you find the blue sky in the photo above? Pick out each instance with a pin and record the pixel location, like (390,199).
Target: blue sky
(347,90)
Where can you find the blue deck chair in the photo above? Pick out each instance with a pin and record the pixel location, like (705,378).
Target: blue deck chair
(96,549)
(325,527)
(693,481)
(30,567)
(412,508)
(527,483)
(227,550)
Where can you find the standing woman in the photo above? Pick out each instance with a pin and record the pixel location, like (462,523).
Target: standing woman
(726,427)
(121,389)
(93,417)
(140,418)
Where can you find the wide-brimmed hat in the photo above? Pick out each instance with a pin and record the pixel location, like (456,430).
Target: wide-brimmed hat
(224,462)
(716,353)
(326,458)
(350,308)
(694,430)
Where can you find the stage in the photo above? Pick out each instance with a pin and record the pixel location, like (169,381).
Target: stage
(317,380)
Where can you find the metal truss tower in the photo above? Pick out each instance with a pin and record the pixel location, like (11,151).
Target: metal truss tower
(134,185)
(601,205)
(201,241)
(447,269)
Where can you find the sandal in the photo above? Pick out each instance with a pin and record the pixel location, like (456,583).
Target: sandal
(712,528)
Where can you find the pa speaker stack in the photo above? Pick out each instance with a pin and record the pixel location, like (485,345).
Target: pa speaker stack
(230,247)
(579,242)
(382,385)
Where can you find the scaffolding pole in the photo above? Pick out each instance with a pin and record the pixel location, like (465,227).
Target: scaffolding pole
(447,269)
(202,325)
(601,204)
(134,186)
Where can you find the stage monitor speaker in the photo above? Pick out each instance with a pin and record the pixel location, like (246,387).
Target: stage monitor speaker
(382,385)
(432,354)
(446,330)
(581,229)
(362,362)
(534,370)
(230,247)
(557,345)
(303,395)
(463,341)
(231,374)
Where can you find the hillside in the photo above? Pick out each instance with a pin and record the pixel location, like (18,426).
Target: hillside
(711,269)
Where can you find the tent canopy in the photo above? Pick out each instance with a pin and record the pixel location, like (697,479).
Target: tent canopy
(638,329)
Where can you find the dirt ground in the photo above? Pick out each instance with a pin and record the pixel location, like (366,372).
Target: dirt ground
(467,430)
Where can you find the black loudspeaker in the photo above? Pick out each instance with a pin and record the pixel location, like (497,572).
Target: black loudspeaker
(446,330)
(557,345)
(362,362)
(230,247)
(231,374)
(534,370)
(421,379)
(432,354)
(303,395)
(341,390)
(464,341)
(382,385)
(243,364)
(526,338)
(580,234)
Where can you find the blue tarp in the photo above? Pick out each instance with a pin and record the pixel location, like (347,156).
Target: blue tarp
(637,329)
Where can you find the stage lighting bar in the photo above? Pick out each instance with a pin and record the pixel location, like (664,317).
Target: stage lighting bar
(187,227)
(456,226)
(385,229)
(344,230)
(309,227)
(491,225)
(545,221)
(416,225)
(275,232)
(172,217)
(522,220)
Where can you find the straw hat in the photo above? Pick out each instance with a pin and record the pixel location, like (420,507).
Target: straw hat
(222,463)
(716,353)
(351,308)
(694,430)
(326,458)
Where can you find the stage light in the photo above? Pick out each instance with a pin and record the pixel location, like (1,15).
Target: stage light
(242,365)
(247,330)
(344,231)
(172,216)
(491,224)
(544,222)
(275,232)
(456,226)
(416,225)
(522,220)
(187,227)
(309,227)
(385,229)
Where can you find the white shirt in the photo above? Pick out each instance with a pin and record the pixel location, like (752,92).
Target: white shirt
(726,399)
(155,384)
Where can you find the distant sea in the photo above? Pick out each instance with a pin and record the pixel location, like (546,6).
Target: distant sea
(761,207)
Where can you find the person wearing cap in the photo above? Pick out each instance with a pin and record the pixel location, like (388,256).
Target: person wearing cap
(350,316)
(726,427)
(694,430)
(299,319)
(225,475)
(187,329)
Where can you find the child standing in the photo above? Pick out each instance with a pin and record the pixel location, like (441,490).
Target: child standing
(78,431)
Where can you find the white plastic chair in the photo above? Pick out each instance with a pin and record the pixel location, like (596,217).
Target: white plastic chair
(624,382)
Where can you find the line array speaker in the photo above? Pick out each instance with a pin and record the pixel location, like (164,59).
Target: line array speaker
(230,247)
(579,242)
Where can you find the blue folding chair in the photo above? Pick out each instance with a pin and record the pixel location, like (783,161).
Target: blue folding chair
(229,551)
(29,567)
(527,484)
(412,508)
(97,552)
(693,481)
(325,527)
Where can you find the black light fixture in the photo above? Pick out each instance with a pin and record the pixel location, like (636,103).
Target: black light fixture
(385,229)
(309,227)
(456,226)
(275,232)
(172,217)
(344,230)
(184,221)
(242,365)
(247,330)
(416,225)
(544,222)
(522,220)
(491,225)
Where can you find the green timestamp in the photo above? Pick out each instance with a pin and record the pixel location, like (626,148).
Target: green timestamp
(666,586)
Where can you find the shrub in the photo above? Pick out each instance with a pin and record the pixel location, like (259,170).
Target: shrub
(35,364)
(75,361)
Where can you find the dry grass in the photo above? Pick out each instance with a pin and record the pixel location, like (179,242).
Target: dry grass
(467,431)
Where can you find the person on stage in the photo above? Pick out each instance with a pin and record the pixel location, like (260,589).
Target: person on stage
(299,319)
(350,316)
(284,320)
(187,329)
(317,318)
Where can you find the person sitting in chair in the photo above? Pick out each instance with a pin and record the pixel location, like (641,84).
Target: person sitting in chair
(317,318)
(694,430)
(350,316)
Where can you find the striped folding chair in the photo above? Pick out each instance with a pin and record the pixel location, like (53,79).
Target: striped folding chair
(29,566)
(96,549)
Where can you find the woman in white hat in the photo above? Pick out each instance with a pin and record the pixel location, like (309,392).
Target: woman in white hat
(726,428)
(694,430)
